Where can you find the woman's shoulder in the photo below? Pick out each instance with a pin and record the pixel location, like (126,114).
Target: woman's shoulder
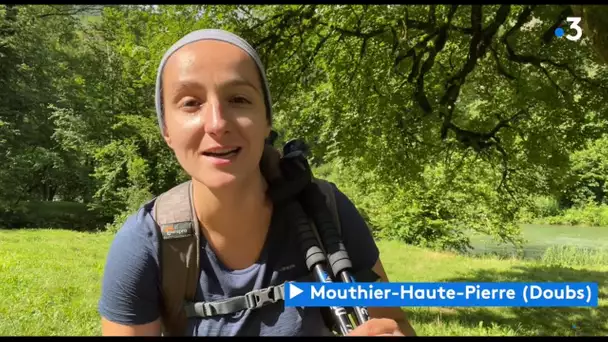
(129,295)
(136,241)
(139,225)
(134,247)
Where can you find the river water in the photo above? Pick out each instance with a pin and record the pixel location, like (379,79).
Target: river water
(540,237)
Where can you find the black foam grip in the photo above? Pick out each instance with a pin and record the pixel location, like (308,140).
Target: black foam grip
(315,204)
(307,239)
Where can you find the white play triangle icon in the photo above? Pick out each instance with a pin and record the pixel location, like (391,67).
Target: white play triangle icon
(294,291)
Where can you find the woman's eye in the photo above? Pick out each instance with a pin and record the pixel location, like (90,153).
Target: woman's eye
(240,100)
(192,103)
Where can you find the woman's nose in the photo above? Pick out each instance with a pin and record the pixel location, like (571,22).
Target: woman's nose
(215,120)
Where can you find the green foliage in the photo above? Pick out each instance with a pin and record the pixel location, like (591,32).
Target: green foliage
(546,206)
(590,214)
(122,177)
(436,120)
(53,215)
(588,175)
(438,212)
(581,198)
(537,208)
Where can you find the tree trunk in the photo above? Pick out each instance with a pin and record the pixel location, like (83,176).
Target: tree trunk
(594,21)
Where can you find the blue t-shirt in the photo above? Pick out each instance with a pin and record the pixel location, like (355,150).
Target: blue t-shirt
(131,282)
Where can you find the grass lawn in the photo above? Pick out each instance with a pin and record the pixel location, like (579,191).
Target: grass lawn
(405,263)
(50,282)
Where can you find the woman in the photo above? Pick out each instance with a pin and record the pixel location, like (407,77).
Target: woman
(214,111)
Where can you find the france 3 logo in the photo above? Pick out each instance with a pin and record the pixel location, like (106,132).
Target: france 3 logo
(574,25)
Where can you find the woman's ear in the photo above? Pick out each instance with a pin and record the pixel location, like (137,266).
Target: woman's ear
(166,136)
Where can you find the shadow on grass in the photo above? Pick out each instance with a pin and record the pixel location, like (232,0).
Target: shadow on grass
(529,321)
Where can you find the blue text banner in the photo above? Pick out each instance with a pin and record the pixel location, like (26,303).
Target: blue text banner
(458,294)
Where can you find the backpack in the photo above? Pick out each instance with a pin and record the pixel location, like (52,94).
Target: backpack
(179,256)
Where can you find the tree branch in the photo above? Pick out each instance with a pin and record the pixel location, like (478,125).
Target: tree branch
(549,35)
(277,31)
(432,17)
(501,69)
(537,61)
(563,92)
(412,51)
(477,48)
(505,171)
(68,12)
(314,53)
(504,123)
(271,19)
(361,54)
(439,44)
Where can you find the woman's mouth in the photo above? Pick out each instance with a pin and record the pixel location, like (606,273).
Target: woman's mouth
(222,155)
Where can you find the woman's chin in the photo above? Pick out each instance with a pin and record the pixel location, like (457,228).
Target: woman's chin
(217,180)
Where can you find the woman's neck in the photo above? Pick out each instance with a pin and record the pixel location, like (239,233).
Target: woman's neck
(237,210)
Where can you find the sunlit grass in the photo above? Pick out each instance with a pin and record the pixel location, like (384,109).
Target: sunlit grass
(50,282)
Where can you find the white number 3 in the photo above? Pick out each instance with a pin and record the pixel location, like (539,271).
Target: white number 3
(574,25)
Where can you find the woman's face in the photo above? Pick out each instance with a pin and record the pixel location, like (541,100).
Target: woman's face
(214,111)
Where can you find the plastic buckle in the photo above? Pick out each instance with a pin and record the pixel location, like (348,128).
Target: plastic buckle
(260,298)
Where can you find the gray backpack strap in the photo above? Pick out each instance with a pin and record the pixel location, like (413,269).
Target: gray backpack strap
(250,301)
(178,255)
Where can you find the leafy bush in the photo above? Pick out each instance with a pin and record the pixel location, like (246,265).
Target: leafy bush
(546,206)
(47,214)
(437,212)
(538,208)
(588,215)
(582,199)
(588,177)
(132,170)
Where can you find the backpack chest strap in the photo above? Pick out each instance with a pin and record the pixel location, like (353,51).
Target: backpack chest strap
(250,301)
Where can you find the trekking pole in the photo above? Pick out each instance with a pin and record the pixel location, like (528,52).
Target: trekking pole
(314,201)
(336,251)
(316,262)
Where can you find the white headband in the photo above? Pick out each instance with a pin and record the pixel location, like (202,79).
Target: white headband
(210,34)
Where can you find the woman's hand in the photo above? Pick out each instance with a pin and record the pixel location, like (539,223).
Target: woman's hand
(377,327)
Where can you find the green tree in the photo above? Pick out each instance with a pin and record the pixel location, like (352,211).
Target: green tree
(396,90)
(34,41)
(594,20)
(436,119)
(587,180)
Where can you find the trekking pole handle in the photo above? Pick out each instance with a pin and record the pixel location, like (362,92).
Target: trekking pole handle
(316,260)
(336,251)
